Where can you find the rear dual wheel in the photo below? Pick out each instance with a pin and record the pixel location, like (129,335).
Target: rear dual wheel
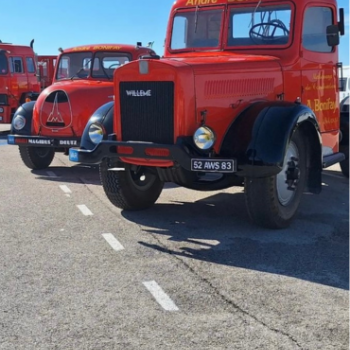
(272,202)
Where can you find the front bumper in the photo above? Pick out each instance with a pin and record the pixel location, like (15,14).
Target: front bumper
(41,141)
(179,155)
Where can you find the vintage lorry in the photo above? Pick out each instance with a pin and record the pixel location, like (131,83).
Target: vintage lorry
(83,81)
(45,69)
(247,92)
(18,78)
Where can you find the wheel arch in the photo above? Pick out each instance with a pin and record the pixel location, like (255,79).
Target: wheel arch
(26,111)
(104,116)
(259,136)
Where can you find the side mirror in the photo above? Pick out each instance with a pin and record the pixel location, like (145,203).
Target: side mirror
(333,35)
(341,23)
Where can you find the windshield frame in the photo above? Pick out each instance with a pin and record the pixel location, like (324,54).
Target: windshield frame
(91,59)
(225,27)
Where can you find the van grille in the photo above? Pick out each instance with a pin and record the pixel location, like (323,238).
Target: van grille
(147,111)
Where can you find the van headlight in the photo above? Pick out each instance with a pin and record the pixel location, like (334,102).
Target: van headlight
(204,138)
(96,132)
(19,122)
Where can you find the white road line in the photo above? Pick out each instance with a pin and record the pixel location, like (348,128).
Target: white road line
(51,174)
(85,210)
(161,297)
(65,189)
(113,242)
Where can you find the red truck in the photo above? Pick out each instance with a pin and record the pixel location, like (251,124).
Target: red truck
(83,80)
(245,95)
(45,69)
(18,80)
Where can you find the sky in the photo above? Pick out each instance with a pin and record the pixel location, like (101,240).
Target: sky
(67,23)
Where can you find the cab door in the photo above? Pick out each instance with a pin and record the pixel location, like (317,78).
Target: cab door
(19,81)
(319,69)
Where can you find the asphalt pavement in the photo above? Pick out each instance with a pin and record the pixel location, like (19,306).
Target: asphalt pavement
(77,273)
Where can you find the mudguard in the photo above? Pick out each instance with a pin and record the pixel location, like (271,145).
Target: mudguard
(26,111)
(104,116)
(260,135)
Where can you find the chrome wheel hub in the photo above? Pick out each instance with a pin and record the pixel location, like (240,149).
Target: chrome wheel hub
(288,179)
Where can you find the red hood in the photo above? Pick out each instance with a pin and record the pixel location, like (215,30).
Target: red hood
(64,108)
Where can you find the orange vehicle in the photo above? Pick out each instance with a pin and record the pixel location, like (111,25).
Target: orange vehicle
(245,95)
(46,68)
(83,80)
(18,81)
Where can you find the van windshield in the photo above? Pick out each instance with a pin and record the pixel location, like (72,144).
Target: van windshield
(3,64)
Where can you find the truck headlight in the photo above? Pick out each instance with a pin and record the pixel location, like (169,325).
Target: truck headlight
(204,138)
(1,110)
(96,133)
(19,122)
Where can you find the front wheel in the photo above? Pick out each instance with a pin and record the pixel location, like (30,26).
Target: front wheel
(134,188)
(36,158)
(272,202)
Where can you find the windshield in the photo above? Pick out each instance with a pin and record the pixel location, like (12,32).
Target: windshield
(80,65)
(246,26)
(197,28)
(3,64)
(251,26)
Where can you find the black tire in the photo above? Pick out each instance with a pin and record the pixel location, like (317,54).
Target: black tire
(126,189)
(269,201)
(344,165)
(37,157)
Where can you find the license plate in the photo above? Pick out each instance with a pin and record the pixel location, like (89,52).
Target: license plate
(213,165)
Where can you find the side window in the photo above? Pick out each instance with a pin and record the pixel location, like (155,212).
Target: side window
(3,64)
(316,20)
(16,65)
(30,65)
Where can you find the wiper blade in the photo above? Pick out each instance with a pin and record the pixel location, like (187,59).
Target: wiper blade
(76,74)
(196,20)
(253,14)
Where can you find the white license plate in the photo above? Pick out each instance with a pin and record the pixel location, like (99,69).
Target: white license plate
(213,165)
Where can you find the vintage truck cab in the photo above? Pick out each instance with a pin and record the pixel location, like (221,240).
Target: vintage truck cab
(247,91)
(83,81)
(18,81)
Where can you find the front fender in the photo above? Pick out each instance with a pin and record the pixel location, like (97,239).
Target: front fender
(258,138)
(104,116)
(26,111)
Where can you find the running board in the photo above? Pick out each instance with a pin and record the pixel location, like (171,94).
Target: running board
(333,159)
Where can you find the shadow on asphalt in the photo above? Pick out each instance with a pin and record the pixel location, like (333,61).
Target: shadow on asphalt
(70,174)
(315,248)
(79,173)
